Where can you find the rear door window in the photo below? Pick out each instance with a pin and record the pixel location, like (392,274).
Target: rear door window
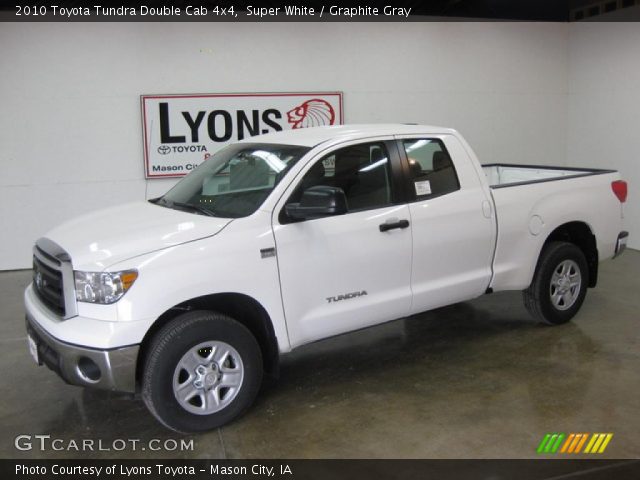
(432,172)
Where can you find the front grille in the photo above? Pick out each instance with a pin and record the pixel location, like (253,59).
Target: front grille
(53,278)
(48,285)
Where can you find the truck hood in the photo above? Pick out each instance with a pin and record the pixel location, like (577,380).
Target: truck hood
(105,237)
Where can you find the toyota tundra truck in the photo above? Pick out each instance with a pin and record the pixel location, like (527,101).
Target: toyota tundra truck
(288,238)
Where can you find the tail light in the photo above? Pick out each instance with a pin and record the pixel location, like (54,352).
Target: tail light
(619,188)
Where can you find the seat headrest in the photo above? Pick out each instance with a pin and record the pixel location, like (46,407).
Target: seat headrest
(316,171)
(415,167)
(349,159)
(441,160)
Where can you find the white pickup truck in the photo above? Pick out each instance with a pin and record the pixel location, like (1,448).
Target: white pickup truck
(292,237)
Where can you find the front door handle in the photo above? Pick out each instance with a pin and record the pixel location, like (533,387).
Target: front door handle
(384,227)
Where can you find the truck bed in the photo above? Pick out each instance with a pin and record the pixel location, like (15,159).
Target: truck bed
(506,175)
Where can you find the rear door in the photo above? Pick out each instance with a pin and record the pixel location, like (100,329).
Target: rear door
(453,225)
(346,272)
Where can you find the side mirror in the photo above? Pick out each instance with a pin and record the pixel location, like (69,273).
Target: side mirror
(319,201)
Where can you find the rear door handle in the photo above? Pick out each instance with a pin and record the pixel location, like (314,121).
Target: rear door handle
(384,227)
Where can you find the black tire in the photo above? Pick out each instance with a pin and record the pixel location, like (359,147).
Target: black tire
(537,298)
(175,340)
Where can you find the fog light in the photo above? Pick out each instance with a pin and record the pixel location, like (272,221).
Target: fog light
(89,370)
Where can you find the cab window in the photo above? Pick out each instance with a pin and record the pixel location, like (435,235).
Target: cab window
(361,171)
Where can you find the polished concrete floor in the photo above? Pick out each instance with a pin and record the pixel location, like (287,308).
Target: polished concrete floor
(474,380)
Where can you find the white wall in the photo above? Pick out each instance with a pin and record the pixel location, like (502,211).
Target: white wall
(604,105)
(70,122)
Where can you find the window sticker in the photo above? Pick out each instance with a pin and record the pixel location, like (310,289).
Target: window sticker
(423,187)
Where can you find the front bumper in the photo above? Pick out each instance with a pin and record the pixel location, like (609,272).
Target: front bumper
(109,369)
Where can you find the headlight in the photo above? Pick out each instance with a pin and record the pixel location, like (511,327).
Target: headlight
(103,287)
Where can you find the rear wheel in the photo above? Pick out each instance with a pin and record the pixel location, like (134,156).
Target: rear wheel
(202,370)
(559,284)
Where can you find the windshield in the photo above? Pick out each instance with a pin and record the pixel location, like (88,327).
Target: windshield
(235,181)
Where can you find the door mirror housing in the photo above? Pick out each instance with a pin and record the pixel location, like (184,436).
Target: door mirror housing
(319,201)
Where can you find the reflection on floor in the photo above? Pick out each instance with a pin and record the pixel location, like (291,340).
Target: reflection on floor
(474,380)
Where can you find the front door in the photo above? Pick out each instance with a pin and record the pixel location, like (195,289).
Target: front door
(345,272)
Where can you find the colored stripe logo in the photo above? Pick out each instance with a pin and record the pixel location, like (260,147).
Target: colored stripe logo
(574,443)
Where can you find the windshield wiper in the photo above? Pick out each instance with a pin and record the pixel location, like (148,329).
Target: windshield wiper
(194,208)
(183,205)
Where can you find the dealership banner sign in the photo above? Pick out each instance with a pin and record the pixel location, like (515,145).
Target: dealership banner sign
(181,131)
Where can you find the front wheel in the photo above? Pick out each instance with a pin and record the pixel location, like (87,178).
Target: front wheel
(202,370)
(559,284)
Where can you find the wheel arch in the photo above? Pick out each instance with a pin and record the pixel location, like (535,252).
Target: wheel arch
(242,308)
(580,234)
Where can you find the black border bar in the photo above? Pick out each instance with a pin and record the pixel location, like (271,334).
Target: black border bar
(413,10)
(541,469)
(522,10)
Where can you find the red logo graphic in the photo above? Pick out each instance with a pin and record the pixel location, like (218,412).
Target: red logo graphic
(312,113)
